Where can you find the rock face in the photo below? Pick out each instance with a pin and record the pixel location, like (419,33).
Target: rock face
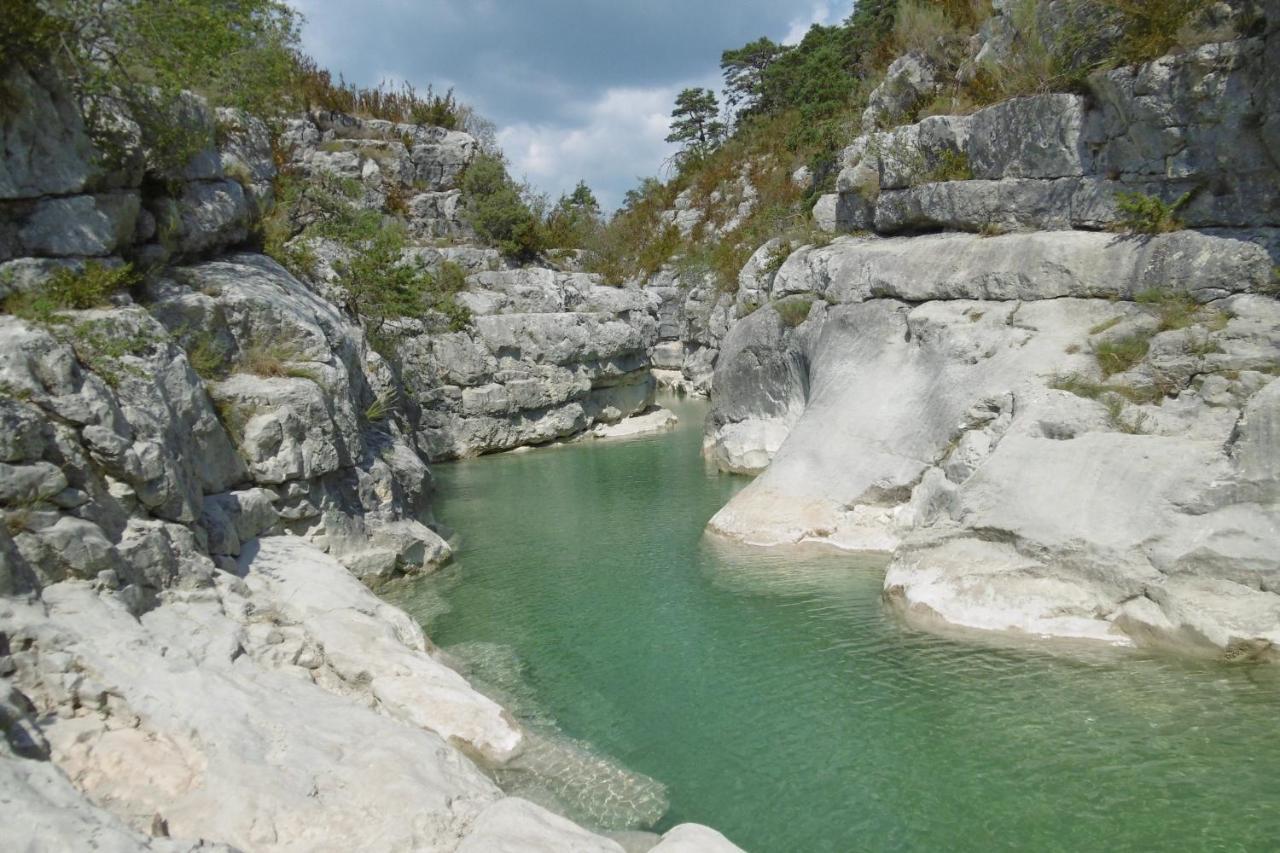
(957,400)
(197,474)
(1199,125)
(692,318)
(548,355)
(1054,431)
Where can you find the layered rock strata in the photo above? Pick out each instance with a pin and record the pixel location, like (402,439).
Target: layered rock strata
(1199,127)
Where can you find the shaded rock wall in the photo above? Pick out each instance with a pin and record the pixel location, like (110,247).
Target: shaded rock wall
(1201,123)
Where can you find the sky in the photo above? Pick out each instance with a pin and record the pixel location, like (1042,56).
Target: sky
(579,89)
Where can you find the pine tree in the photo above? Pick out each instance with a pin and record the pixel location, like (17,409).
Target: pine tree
(744,74)
(695,123)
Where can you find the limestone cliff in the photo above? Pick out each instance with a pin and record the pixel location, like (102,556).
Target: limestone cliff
(1055,427)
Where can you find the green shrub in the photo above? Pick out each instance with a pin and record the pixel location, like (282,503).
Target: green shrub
(777,257)
(1146,214)
(399,103)
(100,348)
(497,208)
(1091,390)
(1149,30)
(793,311)
(1120,355)
(949,166)
(1115,413)
(29,35)
(1175,310)
(574,220)
(142,54)
(270,359)
(382,406)
(207,355)
(936,29)
(442,287)
(68,289)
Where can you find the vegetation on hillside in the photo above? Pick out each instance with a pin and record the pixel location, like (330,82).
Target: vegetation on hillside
(787,106)
(794,106)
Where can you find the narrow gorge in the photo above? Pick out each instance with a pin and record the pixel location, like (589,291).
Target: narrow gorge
(921,493)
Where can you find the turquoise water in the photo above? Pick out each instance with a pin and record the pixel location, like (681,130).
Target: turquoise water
(667,678)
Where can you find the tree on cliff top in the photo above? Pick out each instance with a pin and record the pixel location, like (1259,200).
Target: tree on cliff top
(744,74)
(695,124)
(499,211)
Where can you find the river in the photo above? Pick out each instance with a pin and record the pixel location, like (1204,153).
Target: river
(667,677)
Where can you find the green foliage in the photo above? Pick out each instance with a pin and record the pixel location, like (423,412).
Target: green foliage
(90,287)
(695,125)
(1146,214)
(938,30)
(574,220)
(442,286)
(382,406)
(29,35)
(744,72)
(1178,310)
(1059,47)
(1115,405)
(499,211)
(101,348)
(1119,355)
(270,359)
(950,166)
(793,310)
(777,257)
(207,355)
(398,103)
(1151,29)
(381,286)
(1084,387)
(637,241)
(140,55)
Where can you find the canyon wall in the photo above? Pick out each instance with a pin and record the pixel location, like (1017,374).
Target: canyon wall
(203,455)
(1055,425)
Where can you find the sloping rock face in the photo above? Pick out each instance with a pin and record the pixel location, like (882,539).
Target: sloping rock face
(959,401)
(231,712)
(549,354)
(1200,125)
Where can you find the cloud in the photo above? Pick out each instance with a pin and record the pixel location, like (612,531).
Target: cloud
(613,141)
(825,13)
(578,88)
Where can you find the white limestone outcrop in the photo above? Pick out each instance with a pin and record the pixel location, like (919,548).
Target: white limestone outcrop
(944,400)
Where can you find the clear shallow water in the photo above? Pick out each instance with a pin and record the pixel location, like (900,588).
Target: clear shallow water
(668,678)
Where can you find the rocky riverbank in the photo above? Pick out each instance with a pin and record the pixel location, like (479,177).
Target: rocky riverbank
(200,465)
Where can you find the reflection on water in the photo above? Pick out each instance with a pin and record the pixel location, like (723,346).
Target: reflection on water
(771,695)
